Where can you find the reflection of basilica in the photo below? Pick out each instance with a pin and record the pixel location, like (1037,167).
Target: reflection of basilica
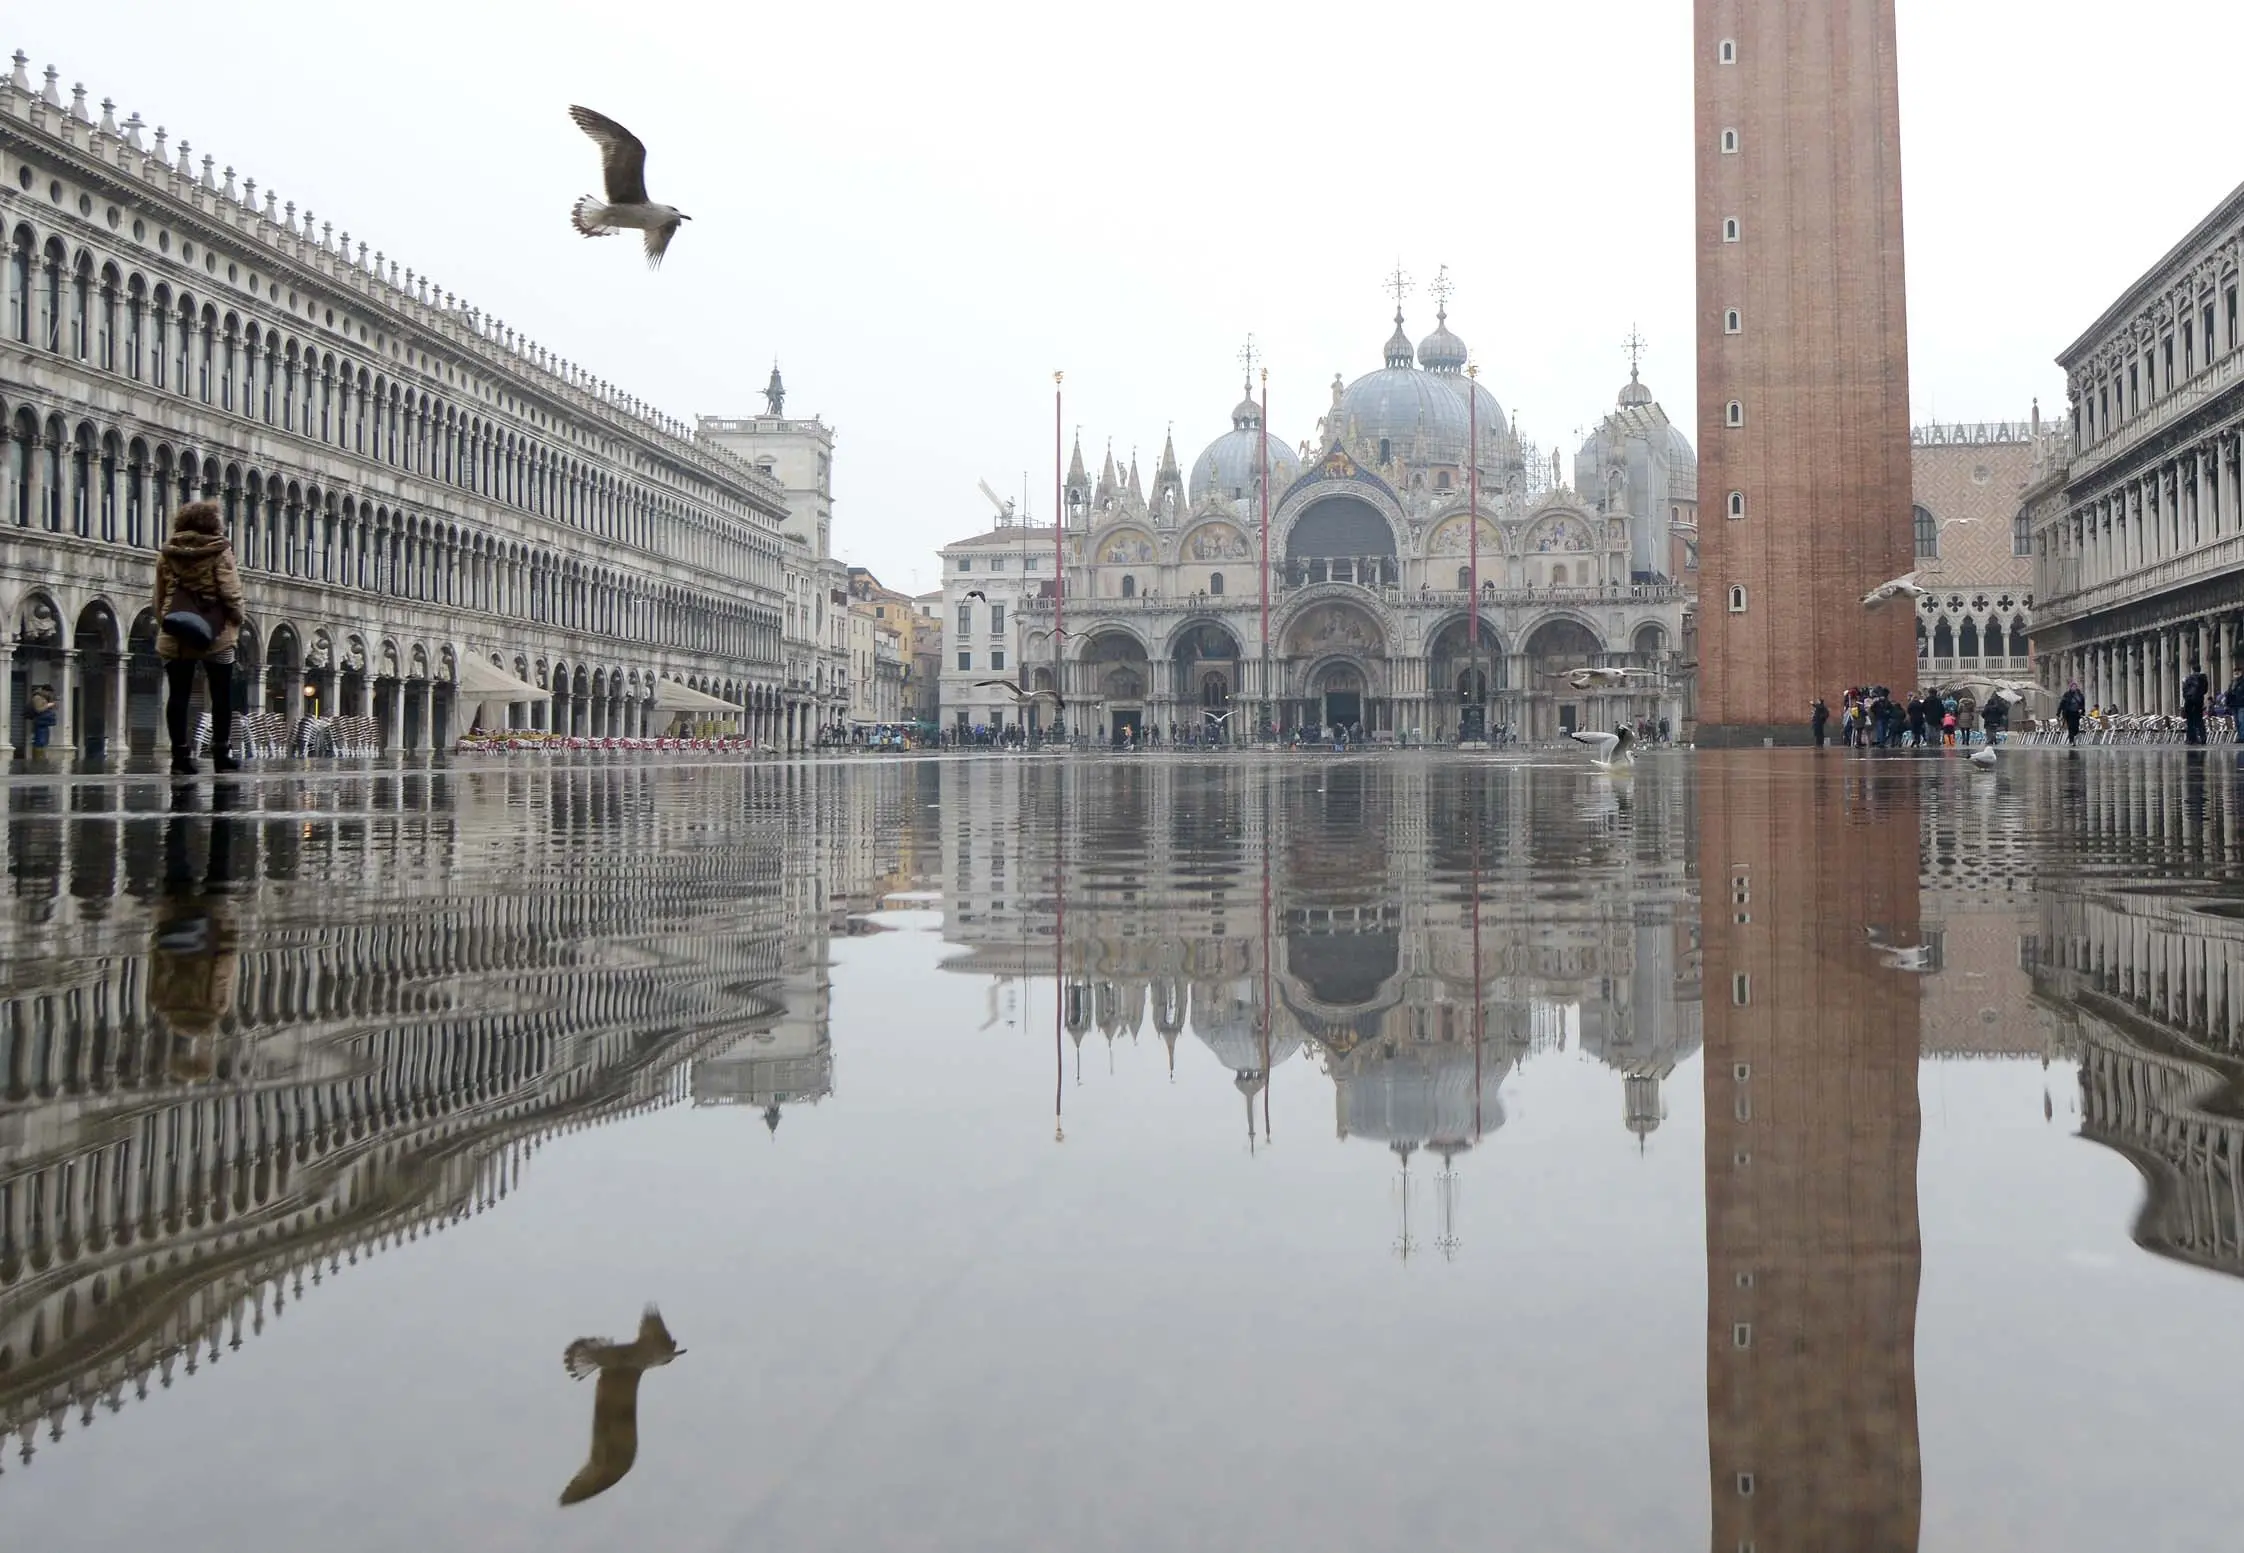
(1274,918)
(1373,566)
(215,1092)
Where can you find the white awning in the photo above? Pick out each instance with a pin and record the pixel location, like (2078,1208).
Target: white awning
(482,681)
(676,696)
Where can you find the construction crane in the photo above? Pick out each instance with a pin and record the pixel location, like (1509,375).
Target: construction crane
(1004,507)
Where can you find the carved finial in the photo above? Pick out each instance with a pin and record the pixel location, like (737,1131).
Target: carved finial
(133,127)
(249,195)
(1397,286)
(109,115)
(52,96)
(326,232)
(210,172)
(290,222)
(233,195)
(186,164)
(78,103)
(162,154)
(20,77)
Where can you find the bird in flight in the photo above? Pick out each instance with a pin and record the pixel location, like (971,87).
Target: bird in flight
(2010,690)
(1904,586)
(623,170)
(1916,958)
(977,593)
(1220,718)
(615,1400)
(1611,750)
(1585,679)
(1021,697)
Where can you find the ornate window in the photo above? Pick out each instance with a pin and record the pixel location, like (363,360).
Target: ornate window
(1215,583)
(1129,587)
(2022,534)
(1928,533)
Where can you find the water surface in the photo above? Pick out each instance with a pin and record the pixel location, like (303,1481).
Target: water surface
(1379,1151)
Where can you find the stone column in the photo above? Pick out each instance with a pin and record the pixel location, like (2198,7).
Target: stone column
(424,738)
(2227,653)
(393,724)
(119,719)
(65,734)
(7,707)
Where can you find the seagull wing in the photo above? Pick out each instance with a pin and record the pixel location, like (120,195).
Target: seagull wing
(623,161)
(651,1329)
(658,243)
(1602,745)
(1005,685)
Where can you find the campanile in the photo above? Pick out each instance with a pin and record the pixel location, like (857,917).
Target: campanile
(1803,362)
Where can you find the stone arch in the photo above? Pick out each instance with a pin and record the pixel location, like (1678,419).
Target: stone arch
(1341,533)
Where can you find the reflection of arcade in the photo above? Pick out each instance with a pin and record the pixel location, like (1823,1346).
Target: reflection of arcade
(2148,984)
(1812,1122)
(211,1099)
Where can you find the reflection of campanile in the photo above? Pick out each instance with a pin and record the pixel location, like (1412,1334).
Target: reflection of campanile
(1811,1159)
(1803,361)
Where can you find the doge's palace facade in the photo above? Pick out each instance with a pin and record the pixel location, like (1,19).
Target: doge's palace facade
(409,483)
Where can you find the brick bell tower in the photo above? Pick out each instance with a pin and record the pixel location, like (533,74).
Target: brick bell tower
(1803,362)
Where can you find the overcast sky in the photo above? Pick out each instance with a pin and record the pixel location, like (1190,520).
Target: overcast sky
(922,211)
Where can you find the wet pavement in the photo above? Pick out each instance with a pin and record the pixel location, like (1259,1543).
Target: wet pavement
(1776,1150)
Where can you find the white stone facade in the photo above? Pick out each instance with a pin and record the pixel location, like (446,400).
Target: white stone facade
(981,636)
(2137,515)
(407,481)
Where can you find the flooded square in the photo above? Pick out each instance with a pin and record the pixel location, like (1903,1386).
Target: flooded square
(1778,1149)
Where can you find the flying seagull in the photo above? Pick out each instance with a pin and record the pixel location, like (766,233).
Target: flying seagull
(1915,958)
(623,167)
(1583,679)
(977,593)
(615,1400)
(1612,750)
(1021,697)
(1219,718)
(1904,586)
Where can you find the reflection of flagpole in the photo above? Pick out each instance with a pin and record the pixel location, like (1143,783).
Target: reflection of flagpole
(1265,964)
(1059,945)
(1479,1001)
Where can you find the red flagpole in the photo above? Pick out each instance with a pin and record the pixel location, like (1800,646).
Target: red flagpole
(1265,453)
(1472,518)
(1059,553)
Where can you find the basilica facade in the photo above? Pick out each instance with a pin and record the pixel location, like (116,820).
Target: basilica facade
(1416,570)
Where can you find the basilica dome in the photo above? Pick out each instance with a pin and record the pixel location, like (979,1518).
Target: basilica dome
(1230,465)
(1401,404)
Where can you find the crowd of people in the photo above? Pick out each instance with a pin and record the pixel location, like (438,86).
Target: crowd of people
(1873,717)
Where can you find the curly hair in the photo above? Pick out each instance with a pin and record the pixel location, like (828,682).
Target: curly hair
(197,517)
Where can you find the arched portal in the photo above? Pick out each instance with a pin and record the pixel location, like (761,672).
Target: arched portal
(1341,538)
(1118,675)
(95,691)
(1555,649)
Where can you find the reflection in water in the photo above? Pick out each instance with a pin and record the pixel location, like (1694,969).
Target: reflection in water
(1812,1249)
(239,1052)
(243,1049)
(615,1400)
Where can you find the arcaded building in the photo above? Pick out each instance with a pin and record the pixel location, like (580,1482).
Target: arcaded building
(1803,361)
(415,491)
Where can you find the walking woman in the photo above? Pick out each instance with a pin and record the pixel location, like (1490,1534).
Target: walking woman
(199,612)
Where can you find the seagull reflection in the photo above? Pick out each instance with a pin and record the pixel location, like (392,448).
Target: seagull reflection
(615,1400)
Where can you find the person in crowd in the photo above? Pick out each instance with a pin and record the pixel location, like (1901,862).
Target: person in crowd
(2195,687)
(196,576)
(2070,706)
(43,715)
(1819,718)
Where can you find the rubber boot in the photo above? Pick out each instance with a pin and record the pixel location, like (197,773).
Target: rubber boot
(220,677)
(181,685)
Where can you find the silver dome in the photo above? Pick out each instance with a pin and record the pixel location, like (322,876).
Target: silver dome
(1233,462)
(1442,351)
(1401,404)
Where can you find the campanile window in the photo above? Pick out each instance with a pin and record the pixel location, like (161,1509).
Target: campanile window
(1729,51)
(1729,142)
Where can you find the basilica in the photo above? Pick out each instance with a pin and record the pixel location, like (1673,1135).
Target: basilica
(1366,617)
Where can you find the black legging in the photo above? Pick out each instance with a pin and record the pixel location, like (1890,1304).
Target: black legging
(220,678)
